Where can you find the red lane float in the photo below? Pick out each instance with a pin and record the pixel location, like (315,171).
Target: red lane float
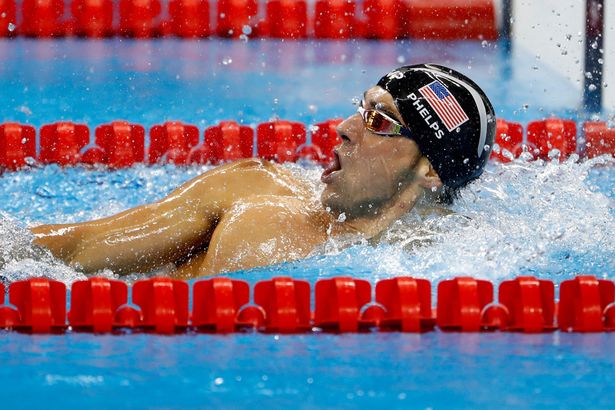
(17,144)
(334,19)
(461,302)
(217,302)
(530,303)
(139,18)
(227,141)
(407,304)
(93,18)
(172,142)
(381,19)
(583,305)
(509,140)
(324,139)
(599,139)
(449,19)
(40,306)
(286,303)
(42,18)
(8,18)
(279,140)
(552,138)
(61,143)
(285,19)
(118,145)
(236,16)
(95,303)
(189,18)
(282,305)
(164,303)
(288,19)
(339,302)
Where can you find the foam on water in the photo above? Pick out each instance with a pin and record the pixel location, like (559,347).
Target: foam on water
(544,219)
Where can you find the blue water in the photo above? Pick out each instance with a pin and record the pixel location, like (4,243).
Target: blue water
(202,82)
(553,221)
(325,371)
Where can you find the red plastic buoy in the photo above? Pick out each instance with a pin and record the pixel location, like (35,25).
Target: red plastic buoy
(339,302)
(286,303)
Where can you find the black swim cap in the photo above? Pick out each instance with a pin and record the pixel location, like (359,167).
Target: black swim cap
(450,117)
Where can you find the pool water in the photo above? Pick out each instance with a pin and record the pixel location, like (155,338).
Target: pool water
(544,219)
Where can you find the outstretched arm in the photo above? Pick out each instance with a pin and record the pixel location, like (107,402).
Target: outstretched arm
(149,236)
(139,239)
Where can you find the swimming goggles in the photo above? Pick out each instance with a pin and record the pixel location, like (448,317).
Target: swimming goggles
(381,124)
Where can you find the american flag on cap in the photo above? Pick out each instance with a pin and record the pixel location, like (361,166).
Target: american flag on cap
(444,104)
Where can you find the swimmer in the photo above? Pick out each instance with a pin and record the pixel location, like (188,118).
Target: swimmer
(422,133)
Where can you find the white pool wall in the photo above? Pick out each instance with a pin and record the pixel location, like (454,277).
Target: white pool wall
(540,25)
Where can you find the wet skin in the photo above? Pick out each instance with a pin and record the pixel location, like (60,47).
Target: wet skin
(254,213)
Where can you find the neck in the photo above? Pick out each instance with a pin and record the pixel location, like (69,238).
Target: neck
(383,216)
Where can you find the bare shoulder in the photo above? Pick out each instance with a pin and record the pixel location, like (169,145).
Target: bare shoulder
(263,230)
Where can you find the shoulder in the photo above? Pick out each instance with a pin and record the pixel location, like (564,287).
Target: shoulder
(259,210)
(265,229)
(251,164)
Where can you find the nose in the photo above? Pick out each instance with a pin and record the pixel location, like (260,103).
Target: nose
(351,129)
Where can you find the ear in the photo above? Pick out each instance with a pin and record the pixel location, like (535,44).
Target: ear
(426,175)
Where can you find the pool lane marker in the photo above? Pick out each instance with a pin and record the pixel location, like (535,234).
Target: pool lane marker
(282,305)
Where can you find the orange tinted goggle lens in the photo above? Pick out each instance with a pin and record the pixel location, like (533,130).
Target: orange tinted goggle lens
(376,122)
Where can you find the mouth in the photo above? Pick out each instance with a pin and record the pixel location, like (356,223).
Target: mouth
(333,167)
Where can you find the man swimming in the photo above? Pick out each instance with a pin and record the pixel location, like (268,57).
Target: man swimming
(422,131)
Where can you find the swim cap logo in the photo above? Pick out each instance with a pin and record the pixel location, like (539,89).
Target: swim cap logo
(395,75)
(444,104)
(424,113)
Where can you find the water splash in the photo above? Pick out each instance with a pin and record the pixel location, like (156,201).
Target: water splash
(546,219)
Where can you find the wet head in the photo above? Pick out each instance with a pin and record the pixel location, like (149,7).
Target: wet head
(427,127)
(369,169)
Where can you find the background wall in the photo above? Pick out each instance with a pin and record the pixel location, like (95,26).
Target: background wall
(553,32)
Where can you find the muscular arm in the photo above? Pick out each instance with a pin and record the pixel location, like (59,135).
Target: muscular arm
(148,236)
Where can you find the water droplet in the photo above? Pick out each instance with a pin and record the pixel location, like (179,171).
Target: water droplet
(341,217)
(11,27)
(401,59)
(218,381)
(227,60)
(247,30)
(591,87)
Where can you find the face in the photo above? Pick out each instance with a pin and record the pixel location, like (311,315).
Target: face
(368,169)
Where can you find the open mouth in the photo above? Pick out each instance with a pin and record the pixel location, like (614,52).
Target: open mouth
(334,166)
